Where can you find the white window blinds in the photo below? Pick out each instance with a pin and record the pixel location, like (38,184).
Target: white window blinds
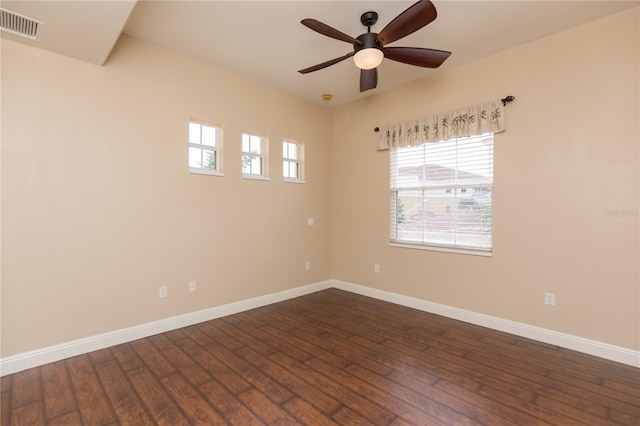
(441,194)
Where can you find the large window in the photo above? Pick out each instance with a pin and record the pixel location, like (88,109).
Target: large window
(292,161)
(441,195)
(254,156)
(205,148)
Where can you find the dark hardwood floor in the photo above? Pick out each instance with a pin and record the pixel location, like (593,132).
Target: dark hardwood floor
(330,357)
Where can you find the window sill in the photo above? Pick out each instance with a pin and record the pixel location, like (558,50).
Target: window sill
(256,177)
(290,180)
(472,252)
(205,172)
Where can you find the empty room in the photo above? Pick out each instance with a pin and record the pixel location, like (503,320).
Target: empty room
(320,212)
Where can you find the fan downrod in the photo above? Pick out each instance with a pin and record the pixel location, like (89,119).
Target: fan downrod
(368,19)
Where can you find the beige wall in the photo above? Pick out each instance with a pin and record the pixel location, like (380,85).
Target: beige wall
(99,209)
(569,155)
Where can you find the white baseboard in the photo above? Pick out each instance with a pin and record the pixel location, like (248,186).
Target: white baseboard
(23,361)
(591,347)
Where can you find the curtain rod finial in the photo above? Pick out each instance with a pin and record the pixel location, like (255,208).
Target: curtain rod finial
(376,129)
(507,99)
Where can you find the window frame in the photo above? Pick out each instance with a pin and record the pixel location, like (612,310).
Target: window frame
(299,161)
(217,148)
(455,189)
(263,156)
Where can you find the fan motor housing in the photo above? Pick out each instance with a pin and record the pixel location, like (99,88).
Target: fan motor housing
(368,42)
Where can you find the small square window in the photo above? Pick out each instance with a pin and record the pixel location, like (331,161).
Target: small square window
(205,146)
(292,161)
(254,156)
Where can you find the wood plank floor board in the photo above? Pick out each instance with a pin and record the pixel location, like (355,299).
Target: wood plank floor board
(383,398)
(31,413)
(180,360)
(623,418)
(164,409)
(339,354)
(309,344)
(197,409)
(553,389)
(219,337)
(270,412)
(175,335)
(345,416)
(312,341)
(527,406)
(124,400)
(127,357)
(68,419)
(306,413)
(353,352)
(572,412)
(330,357)
(270,387)
(239,335)
(355,401)
(343,322)
(475,413)
(216,368)
(303,390)
(27,387)
(259,336)
(93,404)
(438,412)
(411,361)
(195,334)
(153,358)
(546,385)
(512,416)
(5,408)
(100,356)
(577,387)
(579,370)
(234,411)
(627,386)
(59,396)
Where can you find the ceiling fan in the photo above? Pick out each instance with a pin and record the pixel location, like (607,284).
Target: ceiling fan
(369,48)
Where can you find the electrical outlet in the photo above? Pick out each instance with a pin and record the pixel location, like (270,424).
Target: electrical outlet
(163,292)
(550,299)
(193,285)
(307,265)
(376,268)
(310,221)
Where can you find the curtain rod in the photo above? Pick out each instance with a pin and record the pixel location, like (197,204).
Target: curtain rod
(504,100)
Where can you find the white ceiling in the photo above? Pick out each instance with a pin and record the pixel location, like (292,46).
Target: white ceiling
(85,30)
(264,40)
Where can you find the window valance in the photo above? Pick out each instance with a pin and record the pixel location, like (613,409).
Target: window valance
(463,122)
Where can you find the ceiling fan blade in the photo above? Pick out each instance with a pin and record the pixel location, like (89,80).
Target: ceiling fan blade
(324,29)
(368,79)
(428,58)
(412,19)
(326,64)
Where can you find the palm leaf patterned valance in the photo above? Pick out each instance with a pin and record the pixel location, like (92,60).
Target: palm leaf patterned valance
(463,122)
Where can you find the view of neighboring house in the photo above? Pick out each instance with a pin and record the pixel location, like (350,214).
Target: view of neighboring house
(440,200)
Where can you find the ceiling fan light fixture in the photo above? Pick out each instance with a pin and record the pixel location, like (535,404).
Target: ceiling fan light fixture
(368,58)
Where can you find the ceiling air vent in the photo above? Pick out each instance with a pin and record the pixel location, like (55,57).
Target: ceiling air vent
(14,23)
